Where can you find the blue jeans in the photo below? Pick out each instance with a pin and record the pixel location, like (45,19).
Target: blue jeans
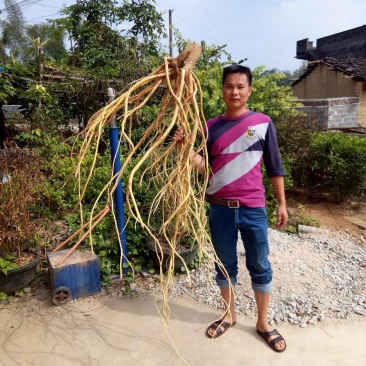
(225,224)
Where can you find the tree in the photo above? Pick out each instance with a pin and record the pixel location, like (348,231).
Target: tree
(54,49)
(3,55)
(147,22)
(288,77)
(98,41)
(13,31)
(103,51)
(270,97)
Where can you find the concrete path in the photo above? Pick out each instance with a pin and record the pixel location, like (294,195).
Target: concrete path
(102,330)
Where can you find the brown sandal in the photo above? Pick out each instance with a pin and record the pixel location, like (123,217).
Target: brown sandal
(272,342)
(216,326)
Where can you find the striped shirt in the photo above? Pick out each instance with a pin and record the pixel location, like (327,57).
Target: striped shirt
(236,147)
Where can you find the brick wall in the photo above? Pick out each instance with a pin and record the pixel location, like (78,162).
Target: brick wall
(323,83)
(333,113)
(349,43)
(362,108)
(334,100)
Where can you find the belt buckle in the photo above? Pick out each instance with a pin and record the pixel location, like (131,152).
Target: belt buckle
(236,202)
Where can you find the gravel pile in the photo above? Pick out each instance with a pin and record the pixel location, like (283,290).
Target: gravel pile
(318,275)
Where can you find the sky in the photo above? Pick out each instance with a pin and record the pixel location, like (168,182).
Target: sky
(263,31)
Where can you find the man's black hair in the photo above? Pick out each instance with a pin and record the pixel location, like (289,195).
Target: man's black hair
(237,69)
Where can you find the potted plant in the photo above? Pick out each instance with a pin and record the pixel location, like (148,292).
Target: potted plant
(20,191)
(172,240)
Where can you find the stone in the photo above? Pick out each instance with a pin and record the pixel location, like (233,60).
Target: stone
(358,222)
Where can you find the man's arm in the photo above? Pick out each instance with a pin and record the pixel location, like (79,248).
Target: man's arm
(196,159)
(278,185)
(198,162)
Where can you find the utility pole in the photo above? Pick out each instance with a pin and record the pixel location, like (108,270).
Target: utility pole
(170,33)
(40,66)
(80,25)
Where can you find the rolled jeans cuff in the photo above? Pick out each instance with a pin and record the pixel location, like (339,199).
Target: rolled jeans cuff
(225,283)
(262,288)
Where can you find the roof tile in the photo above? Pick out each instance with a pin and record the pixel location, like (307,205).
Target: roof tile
(355,67)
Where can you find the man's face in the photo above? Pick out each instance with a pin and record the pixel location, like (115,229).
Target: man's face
(236,91)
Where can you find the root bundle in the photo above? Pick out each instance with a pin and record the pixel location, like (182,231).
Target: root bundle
(177,210)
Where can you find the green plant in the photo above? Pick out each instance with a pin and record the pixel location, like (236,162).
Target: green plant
(271,98)
(300,219)
(294,134)
(56,164)
(335,165)
(7,263)
(150,266)
(60,200)
(194,263)
(10,298)
(45,111)
(6,88)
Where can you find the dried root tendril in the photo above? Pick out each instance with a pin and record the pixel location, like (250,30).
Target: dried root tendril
(179,203)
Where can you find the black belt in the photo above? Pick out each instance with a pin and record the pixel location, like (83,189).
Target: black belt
(224,202)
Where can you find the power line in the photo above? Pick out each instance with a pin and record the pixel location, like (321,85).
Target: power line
(24,4)
(191,24)
(49,6)
(17,9)
(299,7)
(42,17)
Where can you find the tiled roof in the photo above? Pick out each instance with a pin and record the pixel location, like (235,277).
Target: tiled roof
(352,66)
(355,67)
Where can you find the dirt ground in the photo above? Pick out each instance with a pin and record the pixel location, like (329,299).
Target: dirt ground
(333,216)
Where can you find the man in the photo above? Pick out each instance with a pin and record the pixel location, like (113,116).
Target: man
(237,142)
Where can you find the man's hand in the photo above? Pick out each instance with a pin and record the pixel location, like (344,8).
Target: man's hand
(179,137)
(282,216)
(278,184)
